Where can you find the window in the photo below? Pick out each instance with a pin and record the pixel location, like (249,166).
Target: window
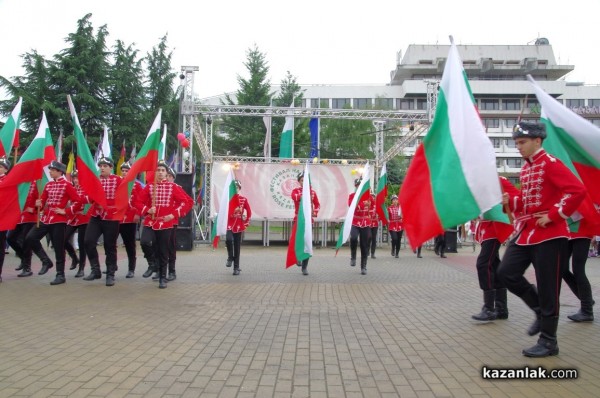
(511,105)
(319,103)
(509,123)
(510,143)
(406,104)
(595,122)
(575,103)
(499,163)
(496,142)
(340,103)
(422,103)
(489,105)
(384,103)
(491,123)
(514,162)
(362,103)
(594,102)
(515,181)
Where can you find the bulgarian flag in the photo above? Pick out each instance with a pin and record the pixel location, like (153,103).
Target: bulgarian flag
(87,169)
(10,130)
(16,184)
(363,189)
(162,146)
(146,160)
(228,202)
(452,177)
(300,243)
(287,135)
(381,196)
(573,140)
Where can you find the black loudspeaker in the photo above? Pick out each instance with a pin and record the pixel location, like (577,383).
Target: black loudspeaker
(185,180)
(184,239)
(451,241)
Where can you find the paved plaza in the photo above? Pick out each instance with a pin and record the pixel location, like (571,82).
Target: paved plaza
(403,330)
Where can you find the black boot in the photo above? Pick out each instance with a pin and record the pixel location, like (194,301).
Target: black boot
(150,270)
(353,262)
(46,265)
(487,312)
(229,245)
(363,265)
(74,263)
(59,279)
(586,313)
(172,276)
(95,271)
(26,271)
(162,280)
(110,275)
(546,345)
(80,273)
(532,300)
(20,267)
(501,304)
(305,267)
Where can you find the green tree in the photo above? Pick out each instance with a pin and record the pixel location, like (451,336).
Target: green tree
(244,136)
(347,139)
(34,88)
(290,90)
(159,91)
(125,97)
(81,70)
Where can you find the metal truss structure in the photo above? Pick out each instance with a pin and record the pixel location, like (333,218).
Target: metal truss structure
(192,114)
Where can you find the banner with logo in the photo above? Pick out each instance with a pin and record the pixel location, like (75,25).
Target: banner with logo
(268,188)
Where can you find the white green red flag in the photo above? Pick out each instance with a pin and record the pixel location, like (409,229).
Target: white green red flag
(381,197)
(15,186)
(300,243)
(10,131)
(575,141)
(162,147)
(452,178)
(287,135)
(364,188)
(227,204)
(87,169)
(146,160)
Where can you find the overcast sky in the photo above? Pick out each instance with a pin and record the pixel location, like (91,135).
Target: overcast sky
(318,41)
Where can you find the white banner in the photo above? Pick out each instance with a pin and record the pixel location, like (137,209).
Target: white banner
(268,188)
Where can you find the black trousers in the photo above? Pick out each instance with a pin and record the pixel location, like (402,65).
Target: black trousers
(365,240)
(157,241)
(577,280)
(440,244)
(173,249)
(374,239)
(148,246)
(109,229)
(395,238)
(487,265)
(233,241)
(57,237)
(80,242)
(16,240)
(127,232)
(549,259)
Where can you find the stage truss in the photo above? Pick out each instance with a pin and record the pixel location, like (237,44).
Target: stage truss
(194,115)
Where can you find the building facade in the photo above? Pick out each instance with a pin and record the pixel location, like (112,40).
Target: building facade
(497,75)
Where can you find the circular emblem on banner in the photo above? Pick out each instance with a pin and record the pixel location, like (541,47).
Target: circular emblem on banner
(281,186)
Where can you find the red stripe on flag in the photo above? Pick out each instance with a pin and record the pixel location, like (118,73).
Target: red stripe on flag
(420,218)
(291,252)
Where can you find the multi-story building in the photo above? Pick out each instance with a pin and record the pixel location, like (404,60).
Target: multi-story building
(497,75)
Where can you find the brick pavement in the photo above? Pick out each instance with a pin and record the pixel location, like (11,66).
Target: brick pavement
(402,330)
